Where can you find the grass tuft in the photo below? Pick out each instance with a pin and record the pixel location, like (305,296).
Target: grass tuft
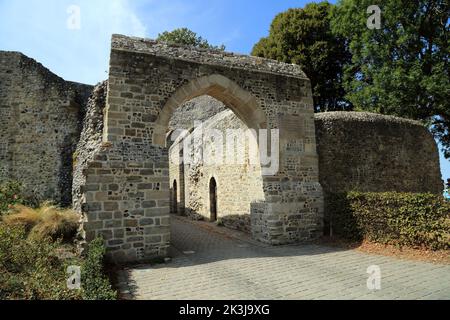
(47,221)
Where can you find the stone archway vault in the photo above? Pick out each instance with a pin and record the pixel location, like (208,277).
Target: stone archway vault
(243,104)
(126,198)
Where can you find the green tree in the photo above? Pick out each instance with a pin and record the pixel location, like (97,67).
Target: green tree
(402,68)
(304,37)
(187,37)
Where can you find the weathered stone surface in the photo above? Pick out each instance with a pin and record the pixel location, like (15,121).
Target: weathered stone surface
(40,121)
(363,151)
(198,109)
(204,56)
(357,152)
(90,141)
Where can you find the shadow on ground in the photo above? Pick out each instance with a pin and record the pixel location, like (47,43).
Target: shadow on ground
(198,242)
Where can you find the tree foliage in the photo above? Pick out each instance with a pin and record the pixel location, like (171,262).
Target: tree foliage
(187,37)
(304,37)
(401,69)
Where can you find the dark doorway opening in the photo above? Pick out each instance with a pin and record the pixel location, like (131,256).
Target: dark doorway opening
(174,197)
(213,199)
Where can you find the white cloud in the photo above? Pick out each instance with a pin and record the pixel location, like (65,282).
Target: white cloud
(39,29)
(116,16)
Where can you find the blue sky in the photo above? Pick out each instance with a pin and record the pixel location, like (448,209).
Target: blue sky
(38,28)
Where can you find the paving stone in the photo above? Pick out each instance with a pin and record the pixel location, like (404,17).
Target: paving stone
(234,267)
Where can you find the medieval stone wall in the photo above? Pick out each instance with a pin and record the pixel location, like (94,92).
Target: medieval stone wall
(90,140)
(368,152)
(199,109)
(40,121)
(185,117)
(357,152)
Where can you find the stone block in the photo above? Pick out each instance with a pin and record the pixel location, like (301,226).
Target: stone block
(110,206)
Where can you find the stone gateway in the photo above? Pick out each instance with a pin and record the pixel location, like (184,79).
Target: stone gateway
(113,149)
(126,194)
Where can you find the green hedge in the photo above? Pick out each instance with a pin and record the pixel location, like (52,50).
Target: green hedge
(405,219)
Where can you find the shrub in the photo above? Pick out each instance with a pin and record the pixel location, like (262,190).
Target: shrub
(95,284)
(33,269)
(405,219)
(30,269)
(10,195)
(45,221)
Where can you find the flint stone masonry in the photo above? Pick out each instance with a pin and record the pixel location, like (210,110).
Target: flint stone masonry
(361,151)
(147,82)
(40,121)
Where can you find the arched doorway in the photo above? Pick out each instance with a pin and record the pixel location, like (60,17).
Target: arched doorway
(175,197)
(193,172)
(243,104)
(213,199)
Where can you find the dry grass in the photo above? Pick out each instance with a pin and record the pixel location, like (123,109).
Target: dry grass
(46,221)
(22,216)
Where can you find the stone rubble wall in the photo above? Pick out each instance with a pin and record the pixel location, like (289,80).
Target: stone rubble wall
(205,56)
(90,141)
(360,151)
(198,109)
(357,152)
(122,173)
(40,124)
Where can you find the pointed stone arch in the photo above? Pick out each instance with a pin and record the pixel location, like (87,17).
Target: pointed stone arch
(243,104)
